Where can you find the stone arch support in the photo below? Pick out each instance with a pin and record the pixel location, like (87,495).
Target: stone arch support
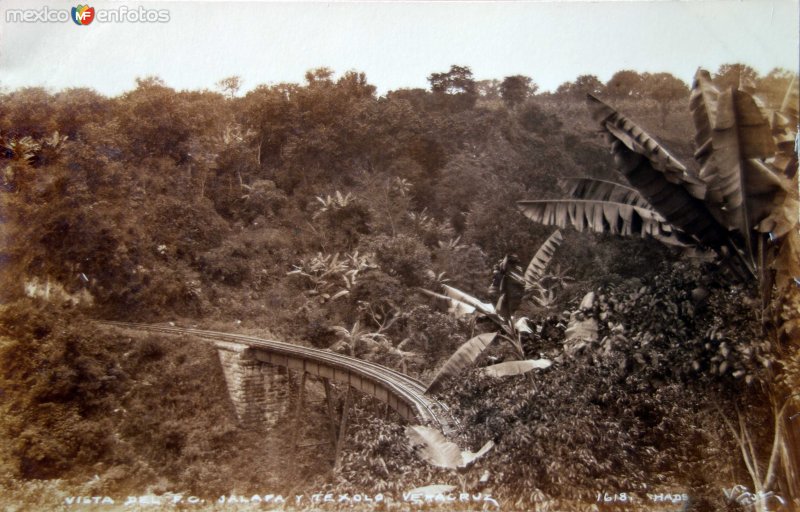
(258,390)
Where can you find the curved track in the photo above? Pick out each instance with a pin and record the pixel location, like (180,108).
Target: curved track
(409,390)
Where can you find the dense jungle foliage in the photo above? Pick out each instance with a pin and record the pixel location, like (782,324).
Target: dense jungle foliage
(315,213)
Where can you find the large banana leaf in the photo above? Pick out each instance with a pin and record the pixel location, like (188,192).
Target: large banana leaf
(470,457)
(587,303)
(603,190)
(663,181)
(581,328)
(512,368)
(485,308)
(784,132)
(465,356)
(787,262)
(522,326)
(767,192)
(638,141)
(782,218)
(595,215)
(455,307)
(734,139)
(482,307)
(434,447)
(541,259)
(463,304)
(438,451)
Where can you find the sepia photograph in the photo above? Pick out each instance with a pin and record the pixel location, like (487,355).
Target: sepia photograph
(400,256)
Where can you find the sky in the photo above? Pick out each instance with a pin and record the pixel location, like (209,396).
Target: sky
(396,44)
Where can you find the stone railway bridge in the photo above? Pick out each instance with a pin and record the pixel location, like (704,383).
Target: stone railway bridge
(257,372)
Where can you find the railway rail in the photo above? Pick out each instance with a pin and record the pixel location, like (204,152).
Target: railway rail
(404,394)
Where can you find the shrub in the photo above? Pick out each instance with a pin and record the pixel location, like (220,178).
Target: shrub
(227,264)
(435,334)
(403,257)
(262,198)
(535,119)
(185,228)
(465,265)
(343,227)
(378,290)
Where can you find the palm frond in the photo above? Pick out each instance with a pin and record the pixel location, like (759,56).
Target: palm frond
(24,149)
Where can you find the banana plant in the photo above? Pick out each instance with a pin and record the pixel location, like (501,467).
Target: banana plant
(359,340)
(511,329)
(739,199)
(26,153)
(332,277)
(538,285)
(22,150)
(334,202)
(357,336)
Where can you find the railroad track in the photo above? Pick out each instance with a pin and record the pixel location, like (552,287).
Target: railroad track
(410,390)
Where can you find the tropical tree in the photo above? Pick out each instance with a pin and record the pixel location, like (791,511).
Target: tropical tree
(29,111)
(230,85)
(665,89)
(77,108)
(583,85)
(733,75)
(624,84)
(157,120)
(270,112)
(777,87)
(488,89)
(458,80)
(355,85)
(516,89)
(456,85)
